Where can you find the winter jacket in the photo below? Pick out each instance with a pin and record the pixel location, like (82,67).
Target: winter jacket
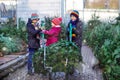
(33,42)
(53,35)
(77,32)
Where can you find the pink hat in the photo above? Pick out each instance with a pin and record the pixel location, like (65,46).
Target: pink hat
(57,21)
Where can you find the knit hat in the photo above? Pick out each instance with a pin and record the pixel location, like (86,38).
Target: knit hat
(34,16)
(75,13)
(57,21)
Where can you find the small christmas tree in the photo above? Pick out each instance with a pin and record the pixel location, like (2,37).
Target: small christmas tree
(62,56)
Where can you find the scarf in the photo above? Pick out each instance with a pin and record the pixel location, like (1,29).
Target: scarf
(73,28)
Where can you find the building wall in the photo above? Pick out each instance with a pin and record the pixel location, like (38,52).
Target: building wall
(53,8)
(42,7)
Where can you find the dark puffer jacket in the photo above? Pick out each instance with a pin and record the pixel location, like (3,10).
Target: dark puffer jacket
(78,32)
(33,42)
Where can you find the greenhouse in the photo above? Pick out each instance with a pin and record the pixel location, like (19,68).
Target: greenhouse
(59,39)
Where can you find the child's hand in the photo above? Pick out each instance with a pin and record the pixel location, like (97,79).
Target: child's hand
(36,28)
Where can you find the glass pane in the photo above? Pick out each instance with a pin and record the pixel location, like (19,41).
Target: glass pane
(101,4)
(7,8)
(114,4)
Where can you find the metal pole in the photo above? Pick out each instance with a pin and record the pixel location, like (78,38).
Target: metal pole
(83,11)
(64,11)
(11,7)
(65,6)
(17,14)
(62,8)
(119,7)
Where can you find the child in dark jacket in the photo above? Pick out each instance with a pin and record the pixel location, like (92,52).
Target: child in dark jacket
(76,29)
(33,42)
(54,32)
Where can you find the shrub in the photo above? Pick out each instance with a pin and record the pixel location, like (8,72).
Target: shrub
(11,30)
(57,56)
(11,38)
(9,45)
(104,39)
(94,21)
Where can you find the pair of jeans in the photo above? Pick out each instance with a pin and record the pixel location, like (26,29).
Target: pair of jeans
(30,59)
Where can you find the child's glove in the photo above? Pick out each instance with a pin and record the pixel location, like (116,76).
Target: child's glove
(38,37)
(36,28)
(73,35)
(43,31)
(74,28)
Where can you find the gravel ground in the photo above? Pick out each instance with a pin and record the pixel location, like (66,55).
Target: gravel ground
(21,74)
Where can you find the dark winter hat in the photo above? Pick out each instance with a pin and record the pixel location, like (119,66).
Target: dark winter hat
(75,13)
(34,16)
(57,21)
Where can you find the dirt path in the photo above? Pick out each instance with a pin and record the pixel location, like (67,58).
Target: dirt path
(89,60)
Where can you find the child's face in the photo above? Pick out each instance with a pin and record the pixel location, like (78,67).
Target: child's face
(52,24)
(73,18)
(35,20)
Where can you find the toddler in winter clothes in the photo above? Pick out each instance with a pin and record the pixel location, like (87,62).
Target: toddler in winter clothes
(33,41)
(76,25)
(54,32)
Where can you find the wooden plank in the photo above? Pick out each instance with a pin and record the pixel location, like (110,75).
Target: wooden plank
(7,58)
(11,56)
(12,69)
(6,65)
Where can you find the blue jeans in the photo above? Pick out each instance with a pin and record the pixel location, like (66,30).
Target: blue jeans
(30,57)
